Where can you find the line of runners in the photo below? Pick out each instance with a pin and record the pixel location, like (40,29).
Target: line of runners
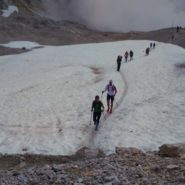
(97,105)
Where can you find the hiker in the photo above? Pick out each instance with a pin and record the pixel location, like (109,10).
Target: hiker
(111,92)
(131,54)
(119,59)
(147,51)
(97,109)
(126,56)
(153,45)
(177,29)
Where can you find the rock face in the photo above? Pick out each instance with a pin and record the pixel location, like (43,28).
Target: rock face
(172,150)
(127,166)
(128,151)
(3,4)
(89,153)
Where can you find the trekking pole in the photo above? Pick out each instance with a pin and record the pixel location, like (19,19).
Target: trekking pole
(101,95)
(91,118)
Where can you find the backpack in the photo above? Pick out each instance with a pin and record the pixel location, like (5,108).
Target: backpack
(119,58)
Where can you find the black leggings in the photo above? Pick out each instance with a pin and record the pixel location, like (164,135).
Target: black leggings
(110,98)
(96,117)
(118,66)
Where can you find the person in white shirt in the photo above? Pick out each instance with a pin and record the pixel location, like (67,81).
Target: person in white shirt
(111,92)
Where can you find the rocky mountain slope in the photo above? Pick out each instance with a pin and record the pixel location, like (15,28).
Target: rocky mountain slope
(125,167)
(27,24)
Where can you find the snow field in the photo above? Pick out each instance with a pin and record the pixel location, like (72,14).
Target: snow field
(46,96)
(11,9)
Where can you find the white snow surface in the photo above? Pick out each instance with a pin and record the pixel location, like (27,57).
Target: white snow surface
(11,9)
(21,44)
(46,96)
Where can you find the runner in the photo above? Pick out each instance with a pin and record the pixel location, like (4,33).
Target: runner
(111,92)
(97,109)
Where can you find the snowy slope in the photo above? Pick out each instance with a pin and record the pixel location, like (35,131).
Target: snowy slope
(46,96)
(11,9)
(22,44)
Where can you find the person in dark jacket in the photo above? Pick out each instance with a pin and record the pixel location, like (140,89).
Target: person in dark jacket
(119,59)
(153,45)
(147,51)
(131,54)
(97,109)
(126,56)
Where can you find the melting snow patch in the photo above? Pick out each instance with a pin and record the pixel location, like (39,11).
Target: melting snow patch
(46,96)
(21,44)
(11,9)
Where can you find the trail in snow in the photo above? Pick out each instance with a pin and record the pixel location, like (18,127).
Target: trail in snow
(106,115)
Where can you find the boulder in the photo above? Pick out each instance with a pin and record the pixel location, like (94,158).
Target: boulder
(88,153)
(172,150)
(172,167)
(128,151)
(3,4)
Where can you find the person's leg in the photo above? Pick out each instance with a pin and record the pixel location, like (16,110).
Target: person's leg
(119,66)
(98,120)
(108,103)
(98,117)
(94,117)
(112,100)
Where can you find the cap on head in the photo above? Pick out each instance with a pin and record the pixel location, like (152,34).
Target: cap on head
(97,97)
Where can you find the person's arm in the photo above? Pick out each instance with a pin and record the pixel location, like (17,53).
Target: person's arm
(104,90)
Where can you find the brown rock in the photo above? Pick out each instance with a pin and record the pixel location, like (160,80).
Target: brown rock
(129,151)
(172,150)
(89,153)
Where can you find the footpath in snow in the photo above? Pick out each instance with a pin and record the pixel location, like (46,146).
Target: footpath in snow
(46,96)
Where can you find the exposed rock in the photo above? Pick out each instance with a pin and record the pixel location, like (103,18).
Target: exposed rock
(172,167)
(3,4)
(57,168)
(15,173)
(115,169)
(113,179)
(89,153)
(172,150)
(128,151)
